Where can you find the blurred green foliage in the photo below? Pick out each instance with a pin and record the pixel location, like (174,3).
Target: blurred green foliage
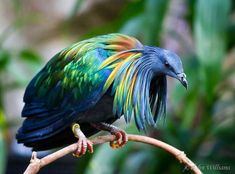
(2,143)
(200,121)
(15,65)
(2,154)
(192,124)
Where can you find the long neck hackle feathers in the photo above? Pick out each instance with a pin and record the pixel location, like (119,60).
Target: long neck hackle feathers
(135,94)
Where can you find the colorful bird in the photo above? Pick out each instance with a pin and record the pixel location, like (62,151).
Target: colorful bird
(92,83)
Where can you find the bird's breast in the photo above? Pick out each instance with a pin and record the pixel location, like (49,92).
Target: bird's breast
(100,112)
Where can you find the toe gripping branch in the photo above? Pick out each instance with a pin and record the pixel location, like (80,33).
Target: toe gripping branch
(121,136)
(83,143)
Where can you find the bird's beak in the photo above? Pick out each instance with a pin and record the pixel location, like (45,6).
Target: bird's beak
(182,78)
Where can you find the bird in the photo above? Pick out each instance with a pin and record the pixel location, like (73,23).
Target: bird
(89,85)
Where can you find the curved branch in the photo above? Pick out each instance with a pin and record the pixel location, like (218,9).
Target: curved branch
(36,164)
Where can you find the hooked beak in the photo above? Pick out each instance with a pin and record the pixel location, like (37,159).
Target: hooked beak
(182,78)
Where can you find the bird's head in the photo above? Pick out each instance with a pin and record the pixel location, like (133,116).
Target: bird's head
(167,63)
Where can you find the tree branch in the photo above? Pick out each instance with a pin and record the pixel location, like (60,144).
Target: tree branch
(36,164)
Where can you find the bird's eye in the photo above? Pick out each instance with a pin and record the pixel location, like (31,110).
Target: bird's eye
(167,64)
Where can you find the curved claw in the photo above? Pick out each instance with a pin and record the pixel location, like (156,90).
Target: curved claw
(83,145)
(121,139)
(121,136)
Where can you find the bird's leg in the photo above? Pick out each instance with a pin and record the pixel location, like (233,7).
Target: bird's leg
(83,143)
(121,136)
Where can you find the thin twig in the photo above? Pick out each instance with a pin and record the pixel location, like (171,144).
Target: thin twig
(36,164)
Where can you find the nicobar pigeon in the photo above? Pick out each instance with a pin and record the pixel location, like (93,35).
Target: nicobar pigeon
(86,87)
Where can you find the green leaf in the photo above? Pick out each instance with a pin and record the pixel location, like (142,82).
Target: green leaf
(148,25)
(154,14)
(3,122)
(134,26)
(4,58)
(210,26)
(2,154)
(17,74)
(30,56)
(31,59)
(210,30)
(129,11)
(2,144)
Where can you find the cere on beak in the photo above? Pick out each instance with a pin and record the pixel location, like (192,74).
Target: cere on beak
(182,78)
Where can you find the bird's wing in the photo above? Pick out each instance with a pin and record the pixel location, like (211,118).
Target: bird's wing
(73,75)
(70,83)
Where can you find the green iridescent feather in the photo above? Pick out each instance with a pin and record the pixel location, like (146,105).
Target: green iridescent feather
(76,68)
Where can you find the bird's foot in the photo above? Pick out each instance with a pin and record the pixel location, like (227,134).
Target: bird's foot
(83,144)
(121,138)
